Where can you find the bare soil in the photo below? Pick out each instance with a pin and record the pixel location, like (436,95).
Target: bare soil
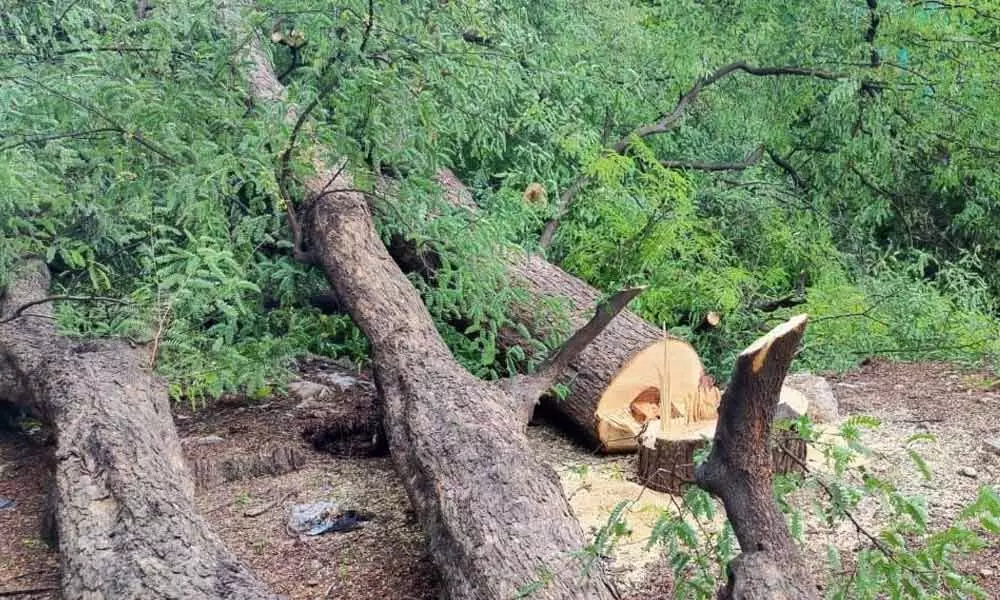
(387,557)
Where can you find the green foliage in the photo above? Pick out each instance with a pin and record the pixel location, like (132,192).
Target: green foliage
(130,161)
(904,558)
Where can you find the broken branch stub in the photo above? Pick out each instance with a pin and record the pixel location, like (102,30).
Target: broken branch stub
(739,471)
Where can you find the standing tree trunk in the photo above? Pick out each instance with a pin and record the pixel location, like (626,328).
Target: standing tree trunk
(494,514)
(738,471)
(124,504)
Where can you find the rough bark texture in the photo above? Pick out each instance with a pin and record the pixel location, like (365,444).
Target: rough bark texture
(124,506)
(738,470)
(495,516)
(668,465)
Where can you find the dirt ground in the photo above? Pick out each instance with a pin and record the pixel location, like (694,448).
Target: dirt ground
(387,557)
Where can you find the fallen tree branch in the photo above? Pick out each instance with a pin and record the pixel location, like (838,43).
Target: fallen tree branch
(787,301)
(495,516)
(699,165)
(127,525)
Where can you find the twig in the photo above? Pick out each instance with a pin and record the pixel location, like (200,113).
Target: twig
(41,139)
(368,27)
(699,165)
(829,492)
(259,510)
(159,333)
(787,167)
(26,591)
(19,310)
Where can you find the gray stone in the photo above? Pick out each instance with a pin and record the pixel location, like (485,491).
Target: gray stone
(823,406)
(308,390)
(968,472)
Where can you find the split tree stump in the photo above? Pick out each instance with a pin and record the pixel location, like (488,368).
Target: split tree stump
(666,463)
(666,455)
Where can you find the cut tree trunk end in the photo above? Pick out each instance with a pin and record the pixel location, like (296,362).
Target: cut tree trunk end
(127,526)
(666,452)
(739,471)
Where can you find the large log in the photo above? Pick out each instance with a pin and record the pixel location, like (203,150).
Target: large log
(127,526)
(613,379)
(739,471)
(497,523)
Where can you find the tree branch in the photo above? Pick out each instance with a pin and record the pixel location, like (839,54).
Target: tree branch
(787,167)
(17,312)
(739,471)
(668,121)
(699,165)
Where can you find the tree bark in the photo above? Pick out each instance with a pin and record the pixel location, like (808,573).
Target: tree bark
(126,521)
(667,464)
(494,514)
(739,471)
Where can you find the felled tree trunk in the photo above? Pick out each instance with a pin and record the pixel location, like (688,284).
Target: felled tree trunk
(613,379)
(494,514)
(739,471)
(124,505)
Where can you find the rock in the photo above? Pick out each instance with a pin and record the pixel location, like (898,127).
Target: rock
(822,403)
(992,446)
(968,472)
(792,404)
(986,572)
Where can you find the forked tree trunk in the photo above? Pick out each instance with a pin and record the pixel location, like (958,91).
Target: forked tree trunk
(126,521)
(494,514)
(739,471)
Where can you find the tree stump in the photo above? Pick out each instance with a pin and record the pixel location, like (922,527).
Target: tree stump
(666,459)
